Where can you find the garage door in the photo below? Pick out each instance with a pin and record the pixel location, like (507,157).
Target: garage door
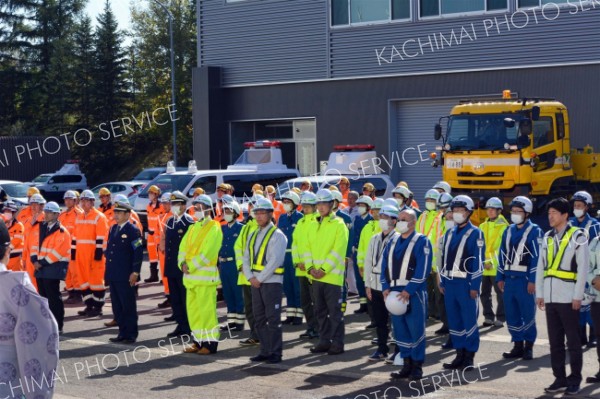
(412,137)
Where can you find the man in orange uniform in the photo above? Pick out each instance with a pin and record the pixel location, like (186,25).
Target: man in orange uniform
(106,206)
(32,233)
(15,230)
(89,239)
(52,260)
(154,211)
(165,201)
(67,220)
(222,190)
(25,213)
(344,186)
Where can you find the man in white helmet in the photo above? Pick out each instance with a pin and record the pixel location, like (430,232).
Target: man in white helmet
(263,267)
(405,265)
(461,271)
(517,264)
(492,228)
(582,204)
(325,266)
(67,218)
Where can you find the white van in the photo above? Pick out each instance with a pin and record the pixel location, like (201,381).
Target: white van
(261,163)
(54,185)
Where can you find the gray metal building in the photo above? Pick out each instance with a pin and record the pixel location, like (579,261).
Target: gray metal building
(315,73)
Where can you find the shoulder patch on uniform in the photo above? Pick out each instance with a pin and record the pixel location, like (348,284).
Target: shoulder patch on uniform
(426,250)
(480,243)
(540,240)
(137,243)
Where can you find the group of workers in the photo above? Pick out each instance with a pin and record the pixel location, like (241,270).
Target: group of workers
(306,246)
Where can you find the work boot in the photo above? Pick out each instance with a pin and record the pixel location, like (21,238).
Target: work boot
(362,309)
(457,362)
(417,371)
(165,304)
(528,352)
(515,352)
(153,273)
(468,361)
(448,343)
(406,370)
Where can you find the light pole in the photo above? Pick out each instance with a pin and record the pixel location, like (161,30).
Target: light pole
(172,79)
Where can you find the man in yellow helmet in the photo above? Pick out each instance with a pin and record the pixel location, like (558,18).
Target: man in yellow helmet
(154,211)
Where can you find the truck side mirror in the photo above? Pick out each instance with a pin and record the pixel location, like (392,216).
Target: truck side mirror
(535,113)
(525,126)
(509,122)
(437,132)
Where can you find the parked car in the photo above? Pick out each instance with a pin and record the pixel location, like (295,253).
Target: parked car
(148,174)
(14,190)
(127,188)
(53,185)
(383,184)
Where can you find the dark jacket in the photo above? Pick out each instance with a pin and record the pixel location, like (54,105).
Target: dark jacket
(124,252)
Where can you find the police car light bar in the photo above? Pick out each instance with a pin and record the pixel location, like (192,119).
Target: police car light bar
(262,144)
(354,147)
(72,161)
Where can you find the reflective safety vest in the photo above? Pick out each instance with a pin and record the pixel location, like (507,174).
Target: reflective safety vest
(300,238)
(553,260)
(258,262)
(404,276)
(240,246)
(199,248)
(458,269)
(515,266)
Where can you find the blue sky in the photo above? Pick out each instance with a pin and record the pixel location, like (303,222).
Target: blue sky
(119,7)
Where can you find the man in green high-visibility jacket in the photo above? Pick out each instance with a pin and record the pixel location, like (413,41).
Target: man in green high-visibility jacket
(325,265)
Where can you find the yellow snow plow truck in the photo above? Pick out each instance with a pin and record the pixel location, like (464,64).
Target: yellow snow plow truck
(508,146)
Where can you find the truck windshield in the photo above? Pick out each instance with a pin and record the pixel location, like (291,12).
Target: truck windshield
(168,183)
(481,131)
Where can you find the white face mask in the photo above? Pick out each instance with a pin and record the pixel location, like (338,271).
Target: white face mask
(384,224)
(459,218)
(577,212)
(362,210)
(450,224)
(176,209)
(199,215)
(402,226)
(516,218)
(288,207)
(228,218)
(430,206)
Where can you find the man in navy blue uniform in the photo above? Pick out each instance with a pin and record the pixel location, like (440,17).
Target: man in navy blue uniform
(291,285)
(517,265)
(124,253)
(175,229)
(365,204)
(406,263)
(462,254)
(232,292)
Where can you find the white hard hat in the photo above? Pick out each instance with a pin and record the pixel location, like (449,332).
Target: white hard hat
(263,204)
(445,200)
(495,203)
(234,206)
(337,196)
(444,186)
(292,196)
(166,197)
(121,198)
(308,198)
(70,194)
(522,202)
(432,194)
(405,192)
(37,199)
(395,305)
(462,201)
(584,197)
(390,201)
(52,207)
(87,194)
(365,200)
(390,210)
(324,195)
(203,199)
(377,203)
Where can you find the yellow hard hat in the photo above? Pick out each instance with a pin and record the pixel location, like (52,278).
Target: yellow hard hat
(259,192)
(154,189)
(257,187)
(223,187)
(297,190)
(369,187)
(199,191)
(344,180)
(333,188)
(104,191)
(32,190)
(270,189)
(403,184)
